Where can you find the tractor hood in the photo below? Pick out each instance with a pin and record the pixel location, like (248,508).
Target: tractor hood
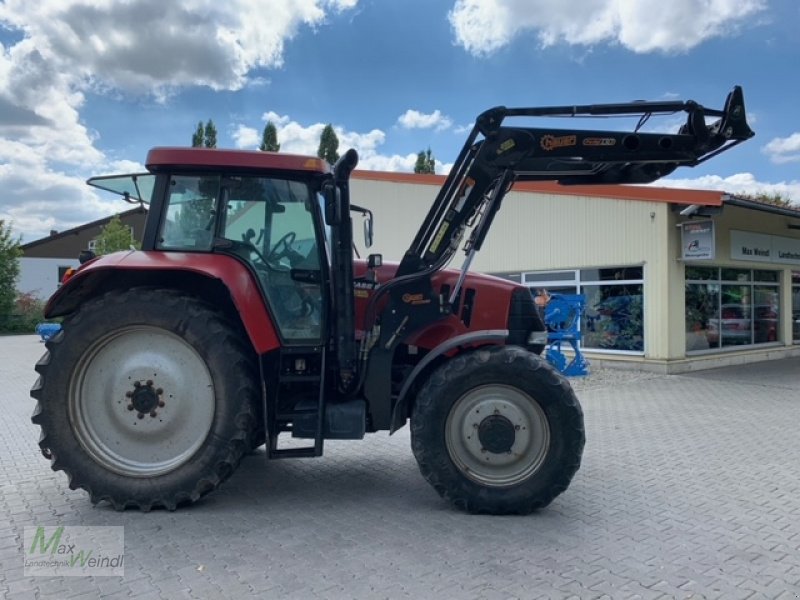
(484,303)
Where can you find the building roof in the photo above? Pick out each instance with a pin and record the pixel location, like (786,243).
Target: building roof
(80,228)
(645,193)
(762,206)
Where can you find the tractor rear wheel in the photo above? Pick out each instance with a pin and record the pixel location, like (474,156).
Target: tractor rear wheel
(497,431)
(146,398)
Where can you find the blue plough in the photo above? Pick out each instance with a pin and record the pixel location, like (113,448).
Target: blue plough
(562,315)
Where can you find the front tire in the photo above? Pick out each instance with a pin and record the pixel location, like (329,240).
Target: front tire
(497,431)
(146,398)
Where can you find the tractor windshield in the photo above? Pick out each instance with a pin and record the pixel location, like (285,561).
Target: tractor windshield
(133,187)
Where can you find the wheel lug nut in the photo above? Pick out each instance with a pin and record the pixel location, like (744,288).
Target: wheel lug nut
(153,413)
(130,406)
(161,403)
(516,427)
(150,382)
(137,384)
(474,425)
(159,391)
(140,415)
(483,450)
(128,394)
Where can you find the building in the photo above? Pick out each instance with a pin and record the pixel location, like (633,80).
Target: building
(44,261)
(674,280)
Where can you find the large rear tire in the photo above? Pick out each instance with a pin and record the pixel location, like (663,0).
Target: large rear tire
(497,431)
(146,398)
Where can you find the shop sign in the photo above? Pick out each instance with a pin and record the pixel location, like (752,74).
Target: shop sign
(762,247)
(697,240)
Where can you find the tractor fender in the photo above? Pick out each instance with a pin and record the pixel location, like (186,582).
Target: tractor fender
(208,276)
(473,338)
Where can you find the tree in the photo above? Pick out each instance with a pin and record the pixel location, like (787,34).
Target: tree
(210,140)
(269,140)
(115,236)
(328,145)
(774,199)
(197,136)
(425,162)
(9,272)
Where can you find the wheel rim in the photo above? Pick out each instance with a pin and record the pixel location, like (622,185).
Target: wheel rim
(141,401)
(497,435)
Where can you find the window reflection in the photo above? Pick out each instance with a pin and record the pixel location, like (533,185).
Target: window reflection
(731,311)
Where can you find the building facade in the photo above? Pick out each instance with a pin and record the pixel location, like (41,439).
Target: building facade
(674,280)
(44,261)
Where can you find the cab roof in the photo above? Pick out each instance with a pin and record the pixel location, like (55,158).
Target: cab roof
(204,158)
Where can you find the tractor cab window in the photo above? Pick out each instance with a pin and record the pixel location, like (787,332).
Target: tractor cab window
(271,223)
(190,213)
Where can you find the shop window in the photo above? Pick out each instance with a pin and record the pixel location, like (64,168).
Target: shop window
(701,273)
(548,276)
(702,306)
(766,276)
(796,307)
(613,319)
(613,315)
(736,275)
(722,314)
(515,277)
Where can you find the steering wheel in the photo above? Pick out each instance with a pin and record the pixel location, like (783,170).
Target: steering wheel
(282,248)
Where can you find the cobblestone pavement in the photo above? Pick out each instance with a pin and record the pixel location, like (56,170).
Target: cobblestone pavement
(690,488)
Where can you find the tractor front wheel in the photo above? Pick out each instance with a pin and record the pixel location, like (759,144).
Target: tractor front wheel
(146,398)
(497,431)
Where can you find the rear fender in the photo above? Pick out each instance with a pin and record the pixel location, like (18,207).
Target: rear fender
(220,280)
(473,338)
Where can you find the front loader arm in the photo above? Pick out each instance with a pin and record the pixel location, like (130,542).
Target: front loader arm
(496,155)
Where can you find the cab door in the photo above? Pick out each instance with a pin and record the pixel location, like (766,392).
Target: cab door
(274,224)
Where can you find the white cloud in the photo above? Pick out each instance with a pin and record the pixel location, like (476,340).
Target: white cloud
(67,48)
(296,138)
(485,26)
(784,150)
(413,119)
(246,137)
(37,198)
(740,183)
(150,45)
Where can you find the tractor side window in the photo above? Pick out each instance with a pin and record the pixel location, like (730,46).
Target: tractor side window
(272,224)
(190,214)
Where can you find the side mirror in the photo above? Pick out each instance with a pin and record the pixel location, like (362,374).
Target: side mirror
(367,214)
(368,230)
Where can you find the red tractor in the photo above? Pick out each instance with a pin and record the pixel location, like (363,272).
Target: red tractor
(246,316)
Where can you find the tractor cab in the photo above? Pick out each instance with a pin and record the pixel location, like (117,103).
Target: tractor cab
(270,220)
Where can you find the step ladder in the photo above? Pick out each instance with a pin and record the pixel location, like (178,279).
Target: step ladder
(300,395)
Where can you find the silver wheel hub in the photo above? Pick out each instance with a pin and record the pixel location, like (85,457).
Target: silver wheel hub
(497,435)
(141,401)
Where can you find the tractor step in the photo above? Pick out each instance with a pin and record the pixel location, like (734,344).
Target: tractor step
(343,421)
(300,401)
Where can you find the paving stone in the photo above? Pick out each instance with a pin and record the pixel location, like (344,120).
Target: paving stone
(689,489)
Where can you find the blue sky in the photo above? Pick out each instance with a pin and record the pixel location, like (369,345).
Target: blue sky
(88,86)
